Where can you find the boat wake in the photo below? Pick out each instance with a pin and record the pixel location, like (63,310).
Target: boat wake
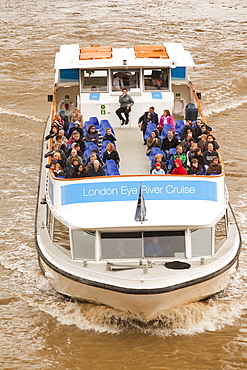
(9,112)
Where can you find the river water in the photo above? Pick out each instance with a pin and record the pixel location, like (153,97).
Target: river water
(39,329)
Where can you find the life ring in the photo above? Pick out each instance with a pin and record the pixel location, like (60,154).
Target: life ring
(66,104)
(179,106)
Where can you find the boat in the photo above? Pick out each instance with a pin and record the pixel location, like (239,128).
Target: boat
(92,233)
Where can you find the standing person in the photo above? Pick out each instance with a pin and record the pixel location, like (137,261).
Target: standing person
(166,118)
(144,120)
(117,83)
(126,103)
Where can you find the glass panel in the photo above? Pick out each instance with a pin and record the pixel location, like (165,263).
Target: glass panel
(201,242)
(156,79)
(83,244)
(61,235)
(220,233)
(95,80)
(164,244)
(121,245)
(125,78)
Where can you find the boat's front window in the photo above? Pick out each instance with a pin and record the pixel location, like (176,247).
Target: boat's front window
(164,244)
(156,79)
(129,78)
(83,244)
(201,242)
(143,244)
(94,80)
(121,245)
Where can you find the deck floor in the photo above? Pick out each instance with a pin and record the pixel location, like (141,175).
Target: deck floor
(132,152)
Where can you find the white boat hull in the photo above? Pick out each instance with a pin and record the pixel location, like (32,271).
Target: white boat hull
(144,306)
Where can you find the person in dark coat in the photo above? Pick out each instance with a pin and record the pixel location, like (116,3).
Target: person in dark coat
(209,154)
(111,153)
(169,142)
(95,169)
(215,167)
(109,136)
(79,172)
(92,135)
(145,119)
(77,128)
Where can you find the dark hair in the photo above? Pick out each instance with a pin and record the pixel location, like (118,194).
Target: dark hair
(89,127)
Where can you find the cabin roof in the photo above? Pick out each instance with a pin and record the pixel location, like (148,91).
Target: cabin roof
(166,55)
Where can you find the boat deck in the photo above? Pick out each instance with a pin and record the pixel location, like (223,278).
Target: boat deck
(132,152)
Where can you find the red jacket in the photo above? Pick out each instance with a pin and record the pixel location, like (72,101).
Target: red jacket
(179,170)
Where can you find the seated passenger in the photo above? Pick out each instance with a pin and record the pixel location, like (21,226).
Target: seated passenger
(187,128)
(58,171)
(117,83)
(169,142)
(202,143)
(204,131)
(179,168)
(211,139)
(77,128)
(95,169)
(166,118)
(73,154)
(92,135)
(96,153)
(153,141)
(57,157)
(195,169)
(109,136)
(214,167)
(70,170)
(58,120)
(159,158)
(201,161)
(187,142)
(53,132)
(197,129)
(158,170)
(64,138)
(56,148)
(63,146)
(179,154)
(191,152)
(79,172)
(154,249)
(209,154)
(75,138)
(111,153)
(77,116)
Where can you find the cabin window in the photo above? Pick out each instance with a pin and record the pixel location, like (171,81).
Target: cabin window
(69,75)
(61,235)
(129,78)
(121,245)
(83,244)
(220,233)
(94,80)
(201,242)
(140,245)
(156,79)
(164,244)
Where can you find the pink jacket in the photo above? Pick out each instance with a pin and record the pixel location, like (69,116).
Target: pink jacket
(169,120)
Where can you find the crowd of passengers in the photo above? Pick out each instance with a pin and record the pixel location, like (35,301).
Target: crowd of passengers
(67,154)
(195,154)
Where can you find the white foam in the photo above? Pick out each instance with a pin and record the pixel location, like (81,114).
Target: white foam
(9,112)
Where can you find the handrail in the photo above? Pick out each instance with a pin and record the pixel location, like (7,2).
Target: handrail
(198,102)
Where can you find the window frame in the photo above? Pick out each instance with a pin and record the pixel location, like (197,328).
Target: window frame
(95,69)
(166,89)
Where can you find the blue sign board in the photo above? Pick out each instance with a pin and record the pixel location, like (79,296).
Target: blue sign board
(94,96)
(129,191)
(156,95)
